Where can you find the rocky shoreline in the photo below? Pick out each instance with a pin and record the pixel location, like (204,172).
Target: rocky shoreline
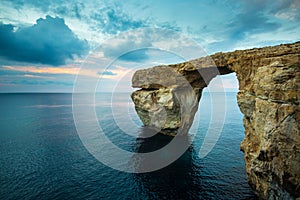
(269,98)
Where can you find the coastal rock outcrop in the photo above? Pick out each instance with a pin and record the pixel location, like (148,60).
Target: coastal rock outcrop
(269,98)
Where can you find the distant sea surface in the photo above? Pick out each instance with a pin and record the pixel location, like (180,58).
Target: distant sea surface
(42,157)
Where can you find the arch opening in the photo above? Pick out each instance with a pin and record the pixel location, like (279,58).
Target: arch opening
(268,97)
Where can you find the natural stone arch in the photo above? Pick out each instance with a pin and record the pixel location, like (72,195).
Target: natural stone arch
(269,98)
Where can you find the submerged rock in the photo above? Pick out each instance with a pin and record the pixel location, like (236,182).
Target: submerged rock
(269,98)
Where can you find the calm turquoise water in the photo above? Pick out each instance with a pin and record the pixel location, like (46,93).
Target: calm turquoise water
(42,157)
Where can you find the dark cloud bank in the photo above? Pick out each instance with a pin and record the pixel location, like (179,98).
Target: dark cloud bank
(49,41)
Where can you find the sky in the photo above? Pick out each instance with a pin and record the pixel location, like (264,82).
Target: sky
(45,46)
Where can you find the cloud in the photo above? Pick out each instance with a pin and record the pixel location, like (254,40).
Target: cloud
(128,46)
(247,24)
(136,45)
(94,21)
(43,70)
(138,55)
(252,20)
(113,21)
(216,25)
(287,9)
(49,41)
(67,70)
(255,24)
(108,73)
(35,76)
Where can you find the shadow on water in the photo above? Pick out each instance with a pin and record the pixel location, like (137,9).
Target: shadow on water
(149,140)
(189,177)
(177,181)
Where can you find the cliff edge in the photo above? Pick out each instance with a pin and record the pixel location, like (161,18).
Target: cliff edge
(269,98)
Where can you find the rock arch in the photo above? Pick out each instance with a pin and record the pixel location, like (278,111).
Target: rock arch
(269,98)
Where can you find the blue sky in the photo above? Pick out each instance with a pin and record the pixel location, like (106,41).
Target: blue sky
(45,43)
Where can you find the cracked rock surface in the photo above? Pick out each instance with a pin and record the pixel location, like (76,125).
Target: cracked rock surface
(269,98)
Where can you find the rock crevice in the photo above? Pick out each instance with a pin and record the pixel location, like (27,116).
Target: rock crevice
(269,98)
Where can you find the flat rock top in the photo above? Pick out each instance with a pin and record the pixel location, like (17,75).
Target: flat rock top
(224,59)
(176,74)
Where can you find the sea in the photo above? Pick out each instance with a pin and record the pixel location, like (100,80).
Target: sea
(42,155)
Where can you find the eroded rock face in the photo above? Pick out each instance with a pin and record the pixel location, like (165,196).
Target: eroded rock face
(269,98)
(270,103)
(167,102)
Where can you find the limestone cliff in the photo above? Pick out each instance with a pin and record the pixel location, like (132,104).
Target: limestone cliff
(269,98)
